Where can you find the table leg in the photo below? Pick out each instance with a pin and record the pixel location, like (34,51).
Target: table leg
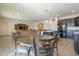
(34,47)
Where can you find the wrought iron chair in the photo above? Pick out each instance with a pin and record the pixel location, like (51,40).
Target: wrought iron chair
(20,48)
(47,47)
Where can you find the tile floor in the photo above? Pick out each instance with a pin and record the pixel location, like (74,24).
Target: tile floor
(65,47)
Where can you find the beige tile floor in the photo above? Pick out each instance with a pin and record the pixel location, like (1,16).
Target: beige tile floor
(65,47)
(6,46)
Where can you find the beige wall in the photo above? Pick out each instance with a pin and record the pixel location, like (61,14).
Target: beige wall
(11,24)
(7,25)
(54,24)
(49,25)
(3,27)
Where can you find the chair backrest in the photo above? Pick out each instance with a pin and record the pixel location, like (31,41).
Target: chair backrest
(23,37)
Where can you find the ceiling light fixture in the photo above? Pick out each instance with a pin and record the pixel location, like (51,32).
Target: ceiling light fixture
(49,8)
(73,11)
(57,15)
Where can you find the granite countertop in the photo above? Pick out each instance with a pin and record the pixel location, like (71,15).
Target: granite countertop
(27,37)
(30,34)
(72,28)
(42,36)
(76,32)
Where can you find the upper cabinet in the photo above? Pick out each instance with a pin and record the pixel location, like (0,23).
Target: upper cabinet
(77,21)
(68,22)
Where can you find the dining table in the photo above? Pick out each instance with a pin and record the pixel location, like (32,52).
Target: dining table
(35,37)
(40,37)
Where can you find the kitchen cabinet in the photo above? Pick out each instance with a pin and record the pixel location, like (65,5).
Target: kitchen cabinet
(76,42)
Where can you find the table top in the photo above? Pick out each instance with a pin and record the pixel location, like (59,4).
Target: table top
(42,36)
(37,36)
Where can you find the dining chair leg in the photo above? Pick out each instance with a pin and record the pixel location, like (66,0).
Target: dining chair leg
(29,51)
(34,43)
(57,48)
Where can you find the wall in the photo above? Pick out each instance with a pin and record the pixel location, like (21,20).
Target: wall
(54,23)
(49,25)
(11,24)
(7,25)
(3,27)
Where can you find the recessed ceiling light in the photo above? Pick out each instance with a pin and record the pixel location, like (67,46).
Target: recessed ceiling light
(49,8)
(73,11)
(57,15)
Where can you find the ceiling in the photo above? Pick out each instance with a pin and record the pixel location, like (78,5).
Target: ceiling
(37,11)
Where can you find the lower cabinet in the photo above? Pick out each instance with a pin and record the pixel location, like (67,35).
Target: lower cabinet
(70,34)
(76,43)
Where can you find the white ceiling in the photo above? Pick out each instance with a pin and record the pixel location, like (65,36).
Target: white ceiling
(37,11)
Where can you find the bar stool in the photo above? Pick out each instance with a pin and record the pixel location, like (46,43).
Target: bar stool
(20,48)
